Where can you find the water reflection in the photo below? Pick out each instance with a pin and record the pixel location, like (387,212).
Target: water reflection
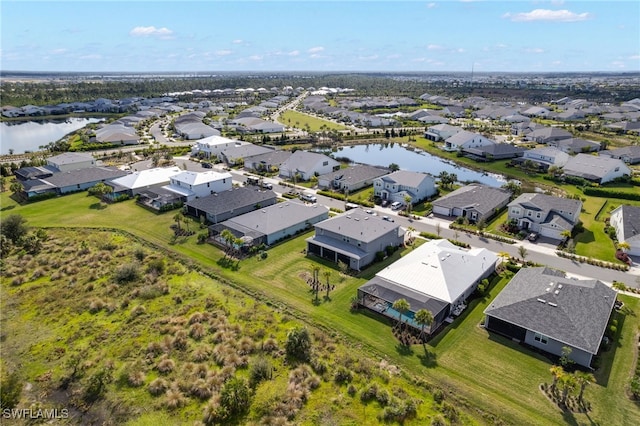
(24,136)
(414,160)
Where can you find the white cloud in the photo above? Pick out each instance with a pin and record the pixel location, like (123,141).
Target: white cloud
(634,57)
(534,50)
(368,58)
(255,57)
(294,53)
(431,5)
(434,47)
(58,51)
(224,52)
(93,56)
(316,49)
(459,50)
(151,31)
(237,41)
(617,64)
(547,15)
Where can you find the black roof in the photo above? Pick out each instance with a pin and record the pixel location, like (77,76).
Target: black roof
(235,198)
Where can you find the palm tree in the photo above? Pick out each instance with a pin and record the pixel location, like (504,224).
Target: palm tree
(583,379)
(557,372)
(407,201)
(438,229)
(178,218)
(522,251)
(326,275)
(402,306)
(624,246)
(566,234)
(316,281)
(228,238)
(423,317)
(568,384)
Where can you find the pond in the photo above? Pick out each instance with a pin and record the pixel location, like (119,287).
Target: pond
(24,136)
(414,160)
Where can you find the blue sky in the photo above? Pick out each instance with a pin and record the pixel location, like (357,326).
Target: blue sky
(210,36)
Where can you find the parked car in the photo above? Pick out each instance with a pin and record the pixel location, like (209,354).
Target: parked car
(396,205)
(207,165)
(387,218)
(384,203)
(267,185)
(308,196)
(533,236)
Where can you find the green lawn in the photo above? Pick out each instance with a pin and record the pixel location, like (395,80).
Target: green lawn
(488,372)
(301,120)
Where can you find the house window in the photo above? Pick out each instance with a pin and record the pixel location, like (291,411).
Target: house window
(538,215)
(529,213)
(325,163)
(515,211)
(224,180)
(540,338)
(208,184)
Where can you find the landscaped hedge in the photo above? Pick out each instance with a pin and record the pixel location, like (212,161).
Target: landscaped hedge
(595,262)
(341,197)
(611,193)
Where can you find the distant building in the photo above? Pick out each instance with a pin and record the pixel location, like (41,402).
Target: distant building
(475,202)
(595,168)
(545,214)
(626,221)
(224,205)
(402,183)
(71,161)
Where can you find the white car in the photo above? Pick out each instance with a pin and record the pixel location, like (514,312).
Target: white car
(396,205)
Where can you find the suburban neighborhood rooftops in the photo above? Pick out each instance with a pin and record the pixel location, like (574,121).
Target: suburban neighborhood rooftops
(591,166)
(356,173)
(82,176)
(544,202)
(199,178)
(145,178)
(70,158)
(630,221)
(543,300)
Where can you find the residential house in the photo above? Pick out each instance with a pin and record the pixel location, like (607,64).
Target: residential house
(271,224)
(496,151)
(117,133)
(544,309)
(595,168)
(626,221)
(351,178)
(34,172)
(546,156)
(236,154)
(628,154)
(465,140)
(440,132)
(437,276)
(534,111)
(307,164)
(402,183)
(71,161)
(354,238)
(134,183)
(545,214)
(475,202)
(547,135)
(224,205)
(70,181)
(257,125)
(268,161)
(191,185)
(212,146)
(575,145)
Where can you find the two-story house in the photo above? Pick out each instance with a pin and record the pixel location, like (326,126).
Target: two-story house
(354,238)
(192,185)
(545,214)
(71,161)
(397,185)
(440,132)
(546,156)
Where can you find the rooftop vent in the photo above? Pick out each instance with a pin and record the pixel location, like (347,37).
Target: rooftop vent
(553,304)
(559,285)
(541,300)
(556,292)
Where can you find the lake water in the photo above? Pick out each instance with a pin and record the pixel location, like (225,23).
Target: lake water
(416,161)
(23,136)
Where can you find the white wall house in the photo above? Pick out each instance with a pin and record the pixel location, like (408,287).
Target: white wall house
(626,221)
(307,164)
(214,145)
(595,168)
(71,161)
(465,139)
(545,214)
(397,185)
(548,155)
(192,185)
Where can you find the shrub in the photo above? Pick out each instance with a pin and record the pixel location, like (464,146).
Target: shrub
(342,375)
(127,273)
(260,370)
(166,366)
(298,344)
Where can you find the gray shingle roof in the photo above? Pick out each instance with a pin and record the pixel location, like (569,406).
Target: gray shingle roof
(630,221)
(233,199)
(355,174)
(83,176)
(481,198)
(407,178)
(591,166)
(358,225)
(547,203)
(543,300)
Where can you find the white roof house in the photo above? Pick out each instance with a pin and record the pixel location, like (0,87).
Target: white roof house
(441,270)
(135,182)
(71,161)
(466,139)
(596,168)
(214,145)
(192,185)
(626,221)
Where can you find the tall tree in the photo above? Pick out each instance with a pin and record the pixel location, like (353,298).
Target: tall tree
(557,372)
(583,379)
(523,252)
(423,318)
(402,306)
